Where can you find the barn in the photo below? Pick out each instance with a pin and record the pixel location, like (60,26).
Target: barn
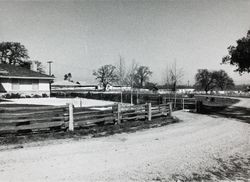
(23,81)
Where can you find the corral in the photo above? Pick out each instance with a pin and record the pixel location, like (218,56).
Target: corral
(25,118)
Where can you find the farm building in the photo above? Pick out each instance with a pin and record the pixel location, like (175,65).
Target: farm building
(68,85)
(23,81)
(115,87)
(185,90)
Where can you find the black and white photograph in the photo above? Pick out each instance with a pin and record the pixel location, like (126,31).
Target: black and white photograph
(124,90)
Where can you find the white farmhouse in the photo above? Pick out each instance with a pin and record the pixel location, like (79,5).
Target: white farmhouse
(23,81)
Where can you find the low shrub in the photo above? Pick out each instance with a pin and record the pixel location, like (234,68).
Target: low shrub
(12,96)
(44,95)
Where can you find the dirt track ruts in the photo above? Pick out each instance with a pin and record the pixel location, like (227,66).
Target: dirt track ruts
(188,147)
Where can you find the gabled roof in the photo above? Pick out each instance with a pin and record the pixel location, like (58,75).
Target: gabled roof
(11,71)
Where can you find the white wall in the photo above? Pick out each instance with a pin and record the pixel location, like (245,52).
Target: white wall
(26,87)
(44,85)
(6,84)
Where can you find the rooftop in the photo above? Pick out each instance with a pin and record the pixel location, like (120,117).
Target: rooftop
(11,71)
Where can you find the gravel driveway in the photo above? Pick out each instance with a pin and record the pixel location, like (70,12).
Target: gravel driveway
(186,148)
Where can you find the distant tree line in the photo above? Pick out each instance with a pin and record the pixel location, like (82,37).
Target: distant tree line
(136,77)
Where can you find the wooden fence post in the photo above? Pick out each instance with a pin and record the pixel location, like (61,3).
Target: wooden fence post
(195,106)
(119,113)
(183,104)
(149,111)
(71,117)
(80,102)
(137,97)
(170,109)
(164,99)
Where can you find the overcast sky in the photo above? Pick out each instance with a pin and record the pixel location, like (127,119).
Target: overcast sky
(79,36)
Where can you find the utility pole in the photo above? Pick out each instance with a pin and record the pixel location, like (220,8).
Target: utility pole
(120,74)
(50,62)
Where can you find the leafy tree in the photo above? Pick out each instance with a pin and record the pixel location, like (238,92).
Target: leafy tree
(40,67)
(142,75)
(106,75)
(239,56)
(205,80)
(68,77)
(222,80)
(13,53)
(209,80)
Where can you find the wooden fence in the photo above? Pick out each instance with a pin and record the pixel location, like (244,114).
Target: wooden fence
(111,114)
(47,118)
(183,103)
(15,119)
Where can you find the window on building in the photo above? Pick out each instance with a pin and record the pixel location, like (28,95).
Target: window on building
(15,84)
(35,84)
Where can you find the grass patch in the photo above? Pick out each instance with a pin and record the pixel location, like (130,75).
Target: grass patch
(236,168)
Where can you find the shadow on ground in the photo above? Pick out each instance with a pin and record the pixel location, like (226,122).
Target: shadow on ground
(240,113)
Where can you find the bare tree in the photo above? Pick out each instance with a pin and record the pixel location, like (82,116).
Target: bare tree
(173,77)
(130,78)
(106,75)
(121,71)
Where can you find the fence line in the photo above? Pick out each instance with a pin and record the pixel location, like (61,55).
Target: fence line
(183,103)
(34,119)
(118,114)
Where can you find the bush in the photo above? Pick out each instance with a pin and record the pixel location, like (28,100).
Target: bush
(7,96)
(37,96)
(44,95)
(12,96)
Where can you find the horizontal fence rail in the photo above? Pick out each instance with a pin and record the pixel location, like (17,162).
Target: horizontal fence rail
(111,114)
(47,118)
(183,103)
(15,119)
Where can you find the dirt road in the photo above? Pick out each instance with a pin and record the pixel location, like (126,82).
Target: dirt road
(184,148)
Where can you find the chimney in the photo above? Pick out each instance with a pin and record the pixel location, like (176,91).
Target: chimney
(33,66)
